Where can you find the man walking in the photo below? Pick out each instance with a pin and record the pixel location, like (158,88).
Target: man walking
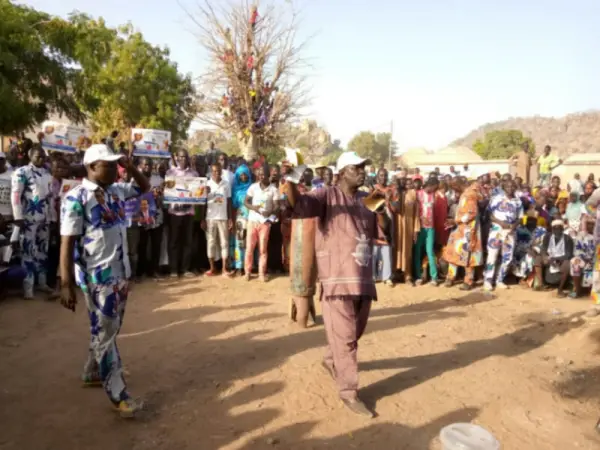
(93,223)
(344,241)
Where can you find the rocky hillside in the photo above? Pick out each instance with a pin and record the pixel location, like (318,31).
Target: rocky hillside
(574,133)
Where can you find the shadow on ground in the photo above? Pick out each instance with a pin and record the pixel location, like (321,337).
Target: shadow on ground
(186,363)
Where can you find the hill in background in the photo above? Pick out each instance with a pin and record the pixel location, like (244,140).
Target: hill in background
(574,133)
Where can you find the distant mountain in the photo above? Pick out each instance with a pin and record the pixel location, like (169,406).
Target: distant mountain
(574,133)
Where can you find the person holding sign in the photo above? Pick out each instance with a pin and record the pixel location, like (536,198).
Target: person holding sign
(181,218)
(31,198)
(101,269)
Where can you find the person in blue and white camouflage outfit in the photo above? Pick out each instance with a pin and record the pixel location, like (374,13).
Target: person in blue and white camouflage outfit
(31,198)
(94,241)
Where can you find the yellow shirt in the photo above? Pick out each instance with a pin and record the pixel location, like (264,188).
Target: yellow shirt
(547,163)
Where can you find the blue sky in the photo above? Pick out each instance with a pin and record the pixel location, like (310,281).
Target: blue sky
(437,68)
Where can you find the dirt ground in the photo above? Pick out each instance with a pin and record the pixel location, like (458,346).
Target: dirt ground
(221,368)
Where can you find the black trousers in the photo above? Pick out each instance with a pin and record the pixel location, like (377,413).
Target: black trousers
(149,251)
(199,256)
(180,239)
(53,258)
(274,249)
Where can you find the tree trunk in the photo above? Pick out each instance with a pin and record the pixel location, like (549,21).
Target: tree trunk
(248,146)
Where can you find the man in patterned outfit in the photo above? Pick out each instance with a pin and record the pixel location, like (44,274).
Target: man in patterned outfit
(31,199)
(94,241)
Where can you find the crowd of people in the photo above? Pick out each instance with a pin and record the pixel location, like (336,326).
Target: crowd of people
(405,228)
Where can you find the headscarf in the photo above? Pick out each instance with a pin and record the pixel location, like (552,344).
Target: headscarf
(238,193)
(562,195)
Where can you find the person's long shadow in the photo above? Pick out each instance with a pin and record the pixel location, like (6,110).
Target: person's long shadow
(380,436)
(582,384)
(426,367)
(470,299)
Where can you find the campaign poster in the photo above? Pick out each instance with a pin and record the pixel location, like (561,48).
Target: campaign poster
(5,205)
(151,143)
(60,137)
(185,190)
(141,210)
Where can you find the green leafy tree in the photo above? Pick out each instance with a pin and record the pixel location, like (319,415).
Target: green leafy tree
(501,144)
(36,71)
(253,85)
(376,147)
(131,83)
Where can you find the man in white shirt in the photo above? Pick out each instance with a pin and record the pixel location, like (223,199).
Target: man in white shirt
(575,185)
(218,218)
(466,172)
(262,201)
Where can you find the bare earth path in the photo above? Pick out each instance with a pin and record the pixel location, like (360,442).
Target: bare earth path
(221,368)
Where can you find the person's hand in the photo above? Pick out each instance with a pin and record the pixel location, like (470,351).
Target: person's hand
(207,189)
(266,214)
(67,297)
(449,223)
(203,225)
(230,224)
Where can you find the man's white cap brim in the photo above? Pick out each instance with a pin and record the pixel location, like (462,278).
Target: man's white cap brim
(351,159)
(99,152)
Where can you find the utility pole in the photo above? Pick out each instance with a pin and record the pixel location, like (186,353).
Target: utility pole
(390,149)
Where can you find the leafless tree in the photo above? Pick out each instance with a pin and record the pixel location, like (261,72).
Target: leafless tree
(256,76)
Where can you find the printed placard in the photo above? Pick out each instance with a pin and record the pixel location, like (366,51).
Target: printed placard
(185,190)
(62,137)
(141,210)
(5,205)
(152,143)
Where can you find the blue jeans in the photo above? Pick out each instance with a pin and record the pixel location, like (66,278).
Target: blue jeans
(382,254)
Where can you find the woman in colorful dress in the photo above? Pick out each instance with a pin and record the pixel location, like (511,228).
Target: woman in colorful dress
(464,248)
(528,244)
(237,240)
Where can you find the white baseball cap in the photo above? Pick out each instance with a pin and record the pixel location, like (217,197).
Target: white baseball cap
(351,159)
(99,152)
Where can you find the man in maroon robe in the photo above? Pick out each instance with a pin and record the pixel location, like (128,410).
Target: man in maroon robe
(344,252)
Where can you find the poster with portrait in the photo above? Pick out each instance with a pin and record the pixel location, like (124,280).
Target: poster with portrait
(61,137)
(151,143)
(185,190)
(5,205)
(141,210)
